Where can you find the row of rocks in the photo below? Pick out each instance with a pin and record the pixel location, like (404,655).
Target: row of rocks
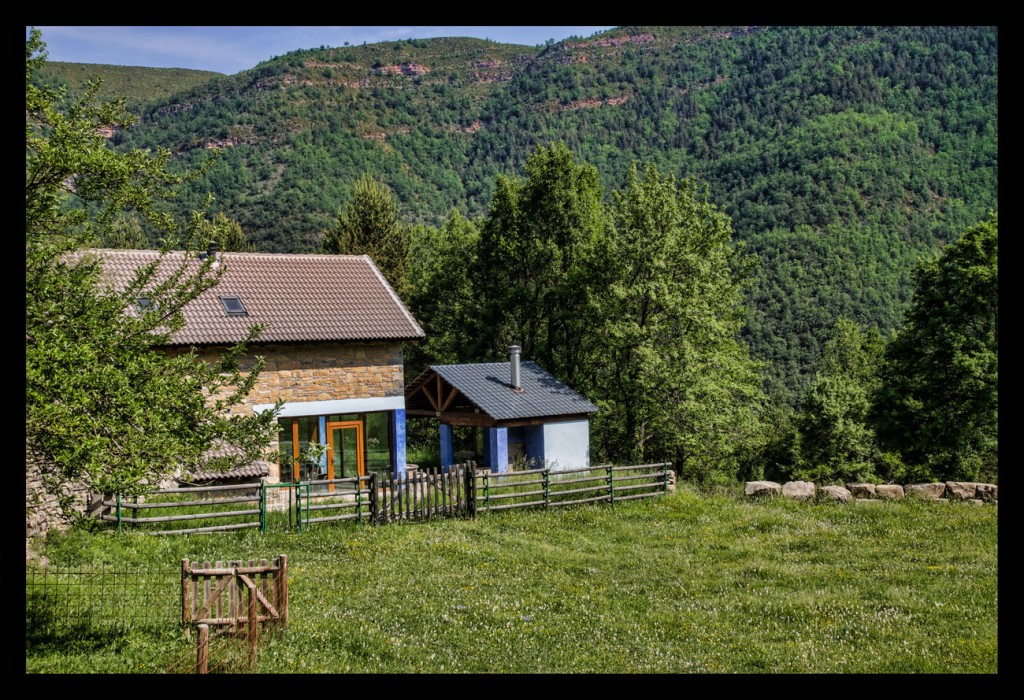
(970,491)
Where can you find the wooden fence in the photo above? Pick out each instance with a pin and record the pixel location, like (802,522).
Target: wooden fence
(461,490)
(547,489)
(235,596)
(421,494)
(213,502)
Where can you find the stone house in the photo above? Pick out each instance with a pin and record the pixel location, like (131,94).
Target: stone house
(332,343)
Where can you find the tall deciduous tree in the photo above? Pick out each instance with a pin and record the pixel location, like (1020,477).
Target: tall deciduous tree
(939,406)
(370,225)
(834,440)
(228,234)
(105,408)
(441,296)
(537,272)
(677,383)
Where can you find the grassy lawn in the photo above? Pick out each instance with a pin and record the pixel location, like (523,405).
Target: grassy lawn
(676,584)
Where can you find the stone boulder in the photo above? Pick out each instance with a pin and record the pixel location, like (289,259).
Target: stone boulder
(975,501)
(862,490)
(835,493)
(801,490)
(762,488)
(892,492)
(928,492)
(961,490)
(988,492)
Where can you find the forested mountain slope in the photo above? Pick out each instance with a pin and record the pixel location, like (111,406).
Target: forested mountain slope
(137,84)
(841,154)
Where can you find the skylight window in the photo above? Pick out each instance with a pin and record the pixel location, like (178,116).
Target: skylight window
(144,304)
(234,306)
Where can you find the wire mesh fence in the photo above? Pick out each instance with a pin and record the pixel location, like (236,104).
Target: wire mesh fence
(98,599)
(97,604)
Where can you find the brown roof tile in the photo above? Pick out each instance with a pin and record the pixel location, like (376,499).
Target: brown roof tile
(251,471)
(296,297)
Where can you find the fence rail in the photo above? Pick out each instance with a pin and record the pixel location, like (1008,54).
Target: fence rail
(240,597)
(215,506)
(461,490)
(608,482)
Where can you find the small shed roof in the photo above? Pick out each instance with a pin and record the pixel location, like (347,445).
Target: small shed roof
(486,385)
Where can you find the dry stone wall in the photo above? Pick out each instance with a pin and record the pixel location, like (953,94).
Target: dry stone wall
(968,491)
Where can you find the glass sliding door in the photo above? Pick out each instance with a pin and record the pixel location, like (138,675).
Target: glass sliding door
(378,443)
(356,443)
(345,448)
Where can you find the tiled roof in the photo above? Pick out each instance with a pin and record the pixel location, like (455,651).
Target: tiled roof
(296,298)
(252,471)
(486,384)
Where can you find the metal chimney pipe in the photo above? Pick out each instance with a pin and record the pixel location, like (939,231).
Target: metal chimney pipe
(513,356)
(211,250)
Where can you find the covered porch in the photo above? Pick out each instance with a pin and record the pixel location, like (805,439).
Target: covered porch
(516,412)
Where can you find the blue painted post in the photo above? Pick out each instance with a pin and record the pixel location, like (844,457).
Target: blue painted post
(498,439)
(446,445)
(398,447)
(323,441)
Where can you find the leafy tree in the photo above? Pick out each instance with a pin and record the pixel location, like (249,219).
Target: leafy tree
(939,405)
(106,408)
(833,439)
(538,270)
(124,232)
(678,384)
(370,225)
(441,296)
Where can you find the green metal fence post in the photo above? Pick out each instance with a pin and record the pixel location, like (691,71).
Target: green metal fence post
(302,499)
(665,467)
(487,489)
(263,506)
(118,496)
(611,485)
(547,486)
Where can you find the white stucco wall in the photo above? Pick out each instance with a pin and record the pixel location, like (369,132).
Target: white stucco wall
(567,445)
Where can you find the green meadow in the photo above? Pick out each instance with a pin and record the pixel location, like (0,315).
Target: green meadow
(682,583)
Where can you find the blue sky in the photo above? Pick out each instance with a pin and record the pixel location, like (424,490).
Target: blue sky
(233,49)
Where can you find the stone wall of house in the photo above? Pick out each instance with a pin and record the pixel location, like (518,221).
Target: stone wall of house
(322,371)
(319,372)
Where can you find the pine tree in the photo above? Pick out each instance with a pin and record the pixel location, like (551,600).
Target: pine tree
(370,225)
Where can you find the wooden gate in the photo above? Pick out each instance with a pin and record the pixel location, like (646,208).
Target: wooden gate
(236,595)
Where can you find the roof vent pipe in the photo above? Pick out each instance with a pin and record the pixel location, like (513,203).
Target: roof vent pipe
(211,250)
(513,356)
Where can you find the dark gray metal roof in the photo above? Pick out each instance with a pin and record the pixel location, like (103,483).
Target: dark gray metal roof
(487,385)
